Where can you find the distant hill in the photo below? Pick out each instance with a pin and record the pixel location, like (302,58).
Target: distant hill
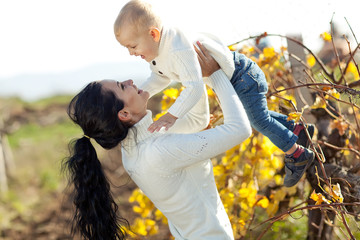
(36,86)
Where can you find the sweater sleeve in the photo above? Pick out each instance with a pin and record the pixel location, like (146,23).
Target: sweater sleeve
(196,119)
(188,69)
(183,150)
(155,83)
(219,52)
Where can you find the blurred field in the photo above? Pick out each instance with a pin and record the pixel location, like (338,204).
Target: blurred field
(37,205)
(37,133)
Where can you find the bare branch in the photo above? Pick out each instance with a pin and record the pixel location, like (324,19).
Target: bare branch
(352,31)
(336,53)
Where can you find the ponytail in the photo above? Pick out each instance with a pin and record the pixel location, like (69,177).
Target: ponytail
(95,214)
(96,211)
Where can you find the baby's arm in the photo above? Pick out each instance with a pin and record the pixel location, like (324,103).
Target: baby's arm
(165,121)
(154,84)
(185,65)
(196,119)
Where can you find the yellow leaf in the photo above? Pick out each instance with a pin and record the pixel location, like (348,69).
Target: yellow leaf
(219,170)
(289,98)
(272,208)
(244,192)
(294,116)
(210,92)
(269,52)
(319,103)
(264,202)
(333,93)
(172,93)
(247,170)
(326,88)
(247,50)
(235,159)
(335,193)
(150,222)
(278,179)
(318,198)
(283,49)
(132,197)
(353,69)
(310,60)
(280,195)
(340,125)
(233,47)
(326,36)
(153,230)
(242,222)
(140,227)
(159,215)
(137,209)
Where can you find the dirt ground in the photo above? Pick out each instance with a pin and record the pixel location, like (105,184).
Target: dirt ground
(51,220)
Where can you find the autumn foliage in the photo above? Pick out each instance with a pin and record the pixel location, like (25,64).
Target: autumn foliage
(250,176)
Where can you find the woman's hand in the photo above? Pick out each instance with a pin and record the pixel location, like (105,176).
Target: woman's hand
(207,62)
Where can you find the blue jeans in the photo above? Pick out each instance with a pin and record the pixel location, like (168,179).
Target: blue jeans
(250,85)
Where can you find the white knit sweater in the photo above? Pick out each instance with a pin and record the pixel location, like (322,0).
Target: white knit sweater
(177,61)
(175,172)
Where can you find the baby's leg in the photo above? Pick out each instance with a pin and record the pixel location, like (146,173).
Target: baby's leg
(251,88)
(250,84)
(281,118)
(297,128)
(261,120)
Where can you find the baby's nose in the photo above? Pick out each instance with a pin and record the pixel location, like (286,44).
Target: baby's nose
(132,52)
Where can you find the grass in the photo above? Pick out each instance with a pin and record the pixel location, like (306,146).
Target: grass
(46,102)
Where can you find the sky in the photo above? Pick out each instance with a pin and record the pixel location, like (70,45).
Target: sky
(56,37)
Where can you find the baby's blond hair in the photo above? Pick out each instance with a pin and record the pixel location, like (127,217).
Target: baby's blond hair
(139,15)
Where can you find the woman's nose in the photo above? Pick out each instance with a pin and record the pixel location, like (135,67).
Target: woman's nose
(129,82)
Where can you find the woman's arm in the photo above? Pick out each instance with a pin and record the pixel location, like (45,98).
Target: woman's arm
(182,150)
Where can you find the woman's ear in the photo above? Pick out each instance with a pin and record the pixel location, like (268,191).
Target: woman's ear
(124,115)
(155,34)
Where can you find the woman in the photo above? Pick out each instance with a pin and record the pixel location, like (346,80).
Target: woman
(172,169)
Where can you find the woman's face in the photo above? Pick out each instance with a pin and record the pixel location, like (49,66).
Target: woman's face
(135,99)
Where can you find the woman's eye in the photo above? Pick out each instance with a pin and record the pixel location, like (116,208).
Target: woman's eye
(120,85)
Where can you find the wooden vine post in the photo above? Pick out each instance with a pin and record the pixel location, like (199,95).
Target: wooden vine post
(297,58)
(6,158)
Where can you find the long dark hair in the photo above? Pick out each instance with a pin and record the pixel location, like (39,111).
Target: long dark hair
(95,111)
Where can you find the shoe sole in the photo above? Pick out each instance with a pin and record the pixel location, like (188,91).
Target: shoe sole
(302,173)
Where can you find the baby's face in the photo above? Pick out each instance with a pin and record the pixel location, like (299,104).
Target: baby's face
(139,43)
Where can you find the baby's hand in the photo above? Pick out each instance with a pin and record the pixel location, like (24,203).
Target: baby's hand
(166,121)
